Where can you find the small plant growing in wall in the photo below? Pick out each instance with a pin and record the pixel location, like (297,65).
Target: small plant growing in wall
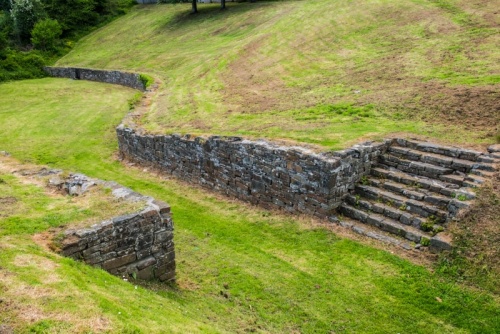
(364,180)
(430,225)
(357,200)
(425,241)
(146,80)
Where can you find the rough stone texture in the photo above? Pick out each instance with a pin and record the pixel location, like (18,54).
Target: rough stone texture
(140,244)
(113,77)
(416,188)
(289,178)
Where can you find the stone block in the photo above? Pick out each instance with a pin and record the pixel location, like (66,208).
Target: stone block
(149,261)
(119,261)
(440,242)
(146,273)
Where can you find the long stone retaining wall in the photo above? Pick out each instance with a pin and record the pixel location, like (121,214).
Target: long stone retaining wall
(139,245)
(290,178)
(132,80)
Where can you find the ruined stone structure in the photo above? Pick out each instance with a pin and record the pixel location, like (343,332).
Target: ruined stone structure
(407,188)
(138,245)
(399,191)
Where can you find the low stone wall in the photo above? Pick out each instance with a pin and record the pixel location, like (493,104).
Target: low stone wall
(290,178)
(132,80)
(138,245)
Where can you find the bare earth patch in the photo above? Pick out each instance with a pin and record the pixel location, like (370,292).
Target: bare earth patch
(249,87)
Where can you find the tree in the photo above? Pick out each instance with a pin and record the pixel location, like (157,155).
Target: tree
(194,6)
(45,34)
(223,4)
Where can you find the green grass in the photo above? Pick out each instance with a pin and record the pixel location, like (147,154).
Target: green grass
(259,69)
(240,269)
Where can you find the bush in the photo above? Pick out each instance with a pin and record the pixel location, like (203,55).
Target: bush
(45,34)
(22,65)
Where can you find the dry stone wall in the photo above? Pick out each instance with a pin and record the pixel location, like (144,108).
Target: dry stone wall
(289,178)
(138,245)
(132,80)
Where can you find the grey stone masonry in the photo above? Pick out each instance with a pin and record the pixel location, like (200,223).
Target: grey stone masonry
(416,188)
(138,245)
(405,187)
(289,178)
(132,80)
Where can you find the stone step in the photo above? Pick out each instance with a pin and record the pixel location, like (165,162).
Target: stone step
(375,233)
(472,180)
(422,182)
(449,151)
(385,224)
(415,193)
(414,167)
(483,173)
(461,165)
(420,208)
(397,214)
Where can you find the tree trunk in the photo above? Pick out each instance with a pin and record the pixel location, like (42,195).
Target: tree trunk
(222,4)
(195,7)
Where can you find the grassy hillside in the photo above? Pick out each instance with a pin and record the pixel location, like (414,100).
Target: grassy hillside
(240,269)
(321,71)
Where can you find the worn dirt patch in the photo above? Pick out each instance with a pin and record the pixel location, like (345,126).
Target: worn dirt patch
(255,82)
(473,107)
(250,87)
(7,200)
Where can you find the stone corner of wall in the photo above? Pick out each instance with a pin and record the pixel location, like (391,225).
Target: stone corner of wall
(137,245)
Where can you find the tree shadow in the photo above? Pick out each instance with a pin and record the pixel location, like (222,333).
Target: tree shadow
(212,11)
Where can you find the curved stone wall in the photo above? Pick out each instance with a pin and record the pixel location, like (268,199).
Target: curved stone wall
(128,79)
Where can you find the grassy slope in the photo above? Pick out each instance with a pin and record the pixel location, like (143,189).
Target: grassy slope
(281,274)
(294,69)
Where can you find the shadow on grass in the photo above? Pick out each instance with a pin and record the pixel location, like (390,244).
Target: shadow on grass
(213,11)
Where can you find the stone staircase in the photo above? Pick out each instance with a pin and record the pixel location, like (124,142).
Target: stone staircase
(414,190)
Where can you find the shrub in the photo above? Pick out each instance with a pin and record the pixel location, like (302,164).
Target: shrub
(21,65)
(45,34)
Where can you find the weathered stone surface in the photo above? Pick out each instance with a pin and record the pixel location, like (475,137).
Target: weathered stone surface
(289,178)
(494,148)
(113,77)
(139,244)
(433,180)
(440,242)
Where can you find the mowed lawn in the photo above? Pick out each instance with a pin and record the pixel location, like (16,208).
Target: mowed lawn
(324,72)
(240,269)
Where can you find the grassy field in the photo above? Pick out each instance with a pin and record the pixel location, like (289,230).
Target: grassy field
(240,269)
(323,72)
